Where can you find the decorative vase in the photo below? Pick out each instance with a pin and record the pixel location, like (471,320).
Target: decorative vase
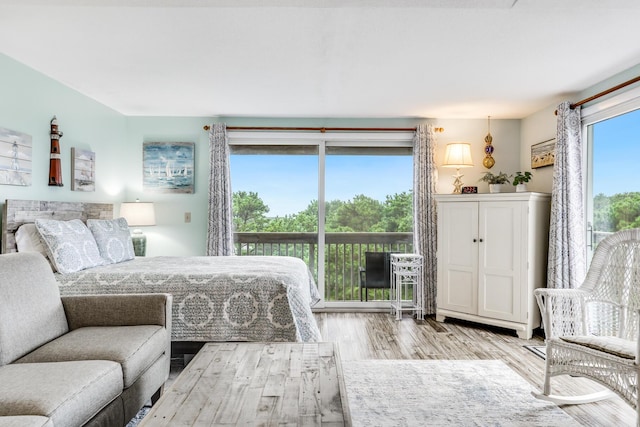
(495,188)
(521,188)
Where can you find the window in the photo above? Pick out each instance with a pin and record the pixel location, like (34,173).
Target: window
(613,147)
(324,198)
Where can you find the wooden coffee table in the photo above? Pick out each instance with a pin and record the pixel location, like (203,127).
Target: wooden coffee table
(256,384)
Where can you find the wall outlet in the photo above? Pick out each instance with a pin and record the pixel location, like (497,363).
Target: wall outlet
(187,217)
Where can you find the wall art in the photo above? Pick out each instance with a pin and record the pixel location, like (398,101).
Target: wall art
(83,170)
(543,153)
(15,157)
(168,167)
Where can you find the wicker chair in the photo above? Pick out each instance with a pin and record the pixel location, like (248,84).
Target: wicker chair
(592,331)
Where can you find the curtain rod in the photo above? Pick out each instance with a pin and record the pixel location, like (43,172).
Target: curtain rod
(320,129)
(603,93)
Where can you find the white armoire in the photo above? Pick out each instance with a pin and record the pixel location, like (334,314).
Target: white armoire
(492,254)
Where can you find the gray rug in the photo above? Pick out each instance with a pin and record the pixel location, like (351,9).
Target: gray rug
(444,393)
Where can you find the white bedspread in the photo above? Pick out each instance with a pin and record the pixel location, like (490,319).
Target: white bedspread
(234,298)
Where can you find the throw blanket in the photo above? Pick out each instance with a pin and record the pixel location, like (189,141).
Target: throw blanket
(235,298)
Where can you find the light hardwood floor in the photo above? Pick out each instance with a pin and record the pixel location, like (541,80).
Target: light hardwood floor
(380,336)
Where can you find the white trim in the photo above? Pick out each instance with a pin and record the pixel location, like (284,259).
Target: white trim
(369,139)
(626,101)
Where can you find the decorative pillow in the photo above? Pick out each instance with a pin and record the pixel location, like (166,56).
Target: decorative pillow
(113,239)
(28,240)
(70,244)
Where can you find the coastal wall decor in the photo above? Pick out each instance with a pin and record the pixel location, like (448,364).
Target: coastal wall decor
(83,170)
(15,157)
(168,167)
(543,153)
(55,165)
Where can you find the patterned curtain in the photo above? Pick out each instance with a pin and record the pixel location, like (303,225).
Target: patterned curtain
(220,227)
(425,177)
(567,258)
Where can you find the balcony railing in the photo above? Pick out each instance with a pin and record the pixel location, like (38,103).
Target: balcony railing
(344,256)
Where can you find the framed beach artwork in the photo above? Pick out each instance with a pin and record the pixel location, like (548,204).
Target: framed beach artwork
(543,153)
(83,170)
(15,157)
(168,167)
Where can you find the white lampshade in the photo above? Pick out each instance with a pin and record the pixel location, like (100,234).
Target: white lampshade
(458,155)
(138,214)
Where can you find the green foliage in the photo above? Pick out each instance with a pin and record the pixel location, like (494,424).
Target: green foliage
(249,211)
(618,212)
(521,178)
(360,214)
(500,178)
(397,213)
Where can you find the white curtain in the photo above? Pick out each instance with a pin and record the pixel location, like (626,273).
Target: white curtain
(220,226)
(567,257)
(425,177)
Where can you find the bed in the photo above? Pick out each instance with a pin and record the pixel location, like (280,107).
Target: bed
(235,298)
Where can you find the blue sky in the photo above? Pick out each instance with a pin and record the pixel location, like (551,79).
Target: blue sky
(292,179)
(616,152)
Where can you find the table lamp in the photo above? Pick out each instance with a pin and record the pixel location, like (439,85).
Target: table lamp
(138,214)
(458,155)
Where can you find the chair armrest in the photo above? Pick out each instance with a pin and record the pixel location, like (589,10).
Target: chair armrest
(562,311)
(118,310)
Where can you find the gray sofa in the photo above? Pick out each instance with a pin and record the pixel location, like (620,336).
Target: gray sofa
(75,361)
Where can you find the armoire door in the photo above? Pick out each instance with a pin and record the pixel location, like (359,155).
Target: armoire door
(500,259)
(458,253)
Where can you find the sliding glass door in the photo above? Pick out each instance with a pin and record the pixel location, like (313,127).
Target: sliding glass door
(324,198)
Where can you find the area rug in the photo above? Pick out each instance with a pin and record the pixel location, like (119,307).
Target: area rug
(538,350)
(444,393)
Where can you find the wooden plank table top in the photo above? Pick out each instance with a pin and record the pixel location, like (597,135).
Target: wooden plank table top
(246,383)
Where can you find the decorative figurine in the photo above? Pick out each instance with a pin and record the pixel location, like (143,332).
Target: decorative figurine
(55,168)
(488,161)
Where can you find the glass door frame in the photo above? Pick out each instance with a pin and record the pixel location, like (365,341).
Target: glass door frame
(617,105)
(322,141)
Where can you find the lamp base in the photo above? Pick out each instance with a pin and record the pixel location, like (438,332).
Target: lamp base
(139,243)
(457,184)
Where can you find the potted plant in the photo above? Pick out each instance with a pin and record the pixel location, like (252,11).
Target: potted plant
(495,181)
(520,181)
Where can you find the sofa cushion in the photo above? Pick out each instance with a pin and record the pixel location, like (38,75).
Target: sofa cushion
(25,421)
(133,347)
(70,393)
(31,311)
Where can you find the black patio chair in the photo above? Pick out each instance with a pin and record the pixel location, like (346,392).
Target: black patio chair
(376,272)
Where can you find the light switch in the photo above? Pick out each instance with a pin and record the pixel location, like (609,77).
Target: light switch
(187,217)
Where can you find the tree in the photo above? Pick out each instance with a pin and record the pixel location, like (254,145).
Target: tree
(625,210)
(249,211)
(397,213)
(361,214)
(602,218)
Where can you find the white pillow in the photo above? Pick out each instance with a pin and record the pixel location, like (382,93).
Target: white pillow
(70,245)
(113,239)
(28,239)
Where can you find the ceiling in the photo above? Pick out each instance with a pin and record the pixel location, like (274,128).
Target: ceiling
(324,58)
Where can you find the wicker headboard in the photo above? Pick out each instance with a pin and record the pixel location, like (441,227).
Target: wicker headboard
(18,212)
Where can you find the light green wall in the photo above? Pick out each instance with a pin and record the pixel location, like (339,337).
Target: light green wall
(171,235)
(28,101)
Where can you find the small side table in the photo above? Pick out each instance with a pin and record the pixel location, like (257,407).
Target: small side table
(406,271)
